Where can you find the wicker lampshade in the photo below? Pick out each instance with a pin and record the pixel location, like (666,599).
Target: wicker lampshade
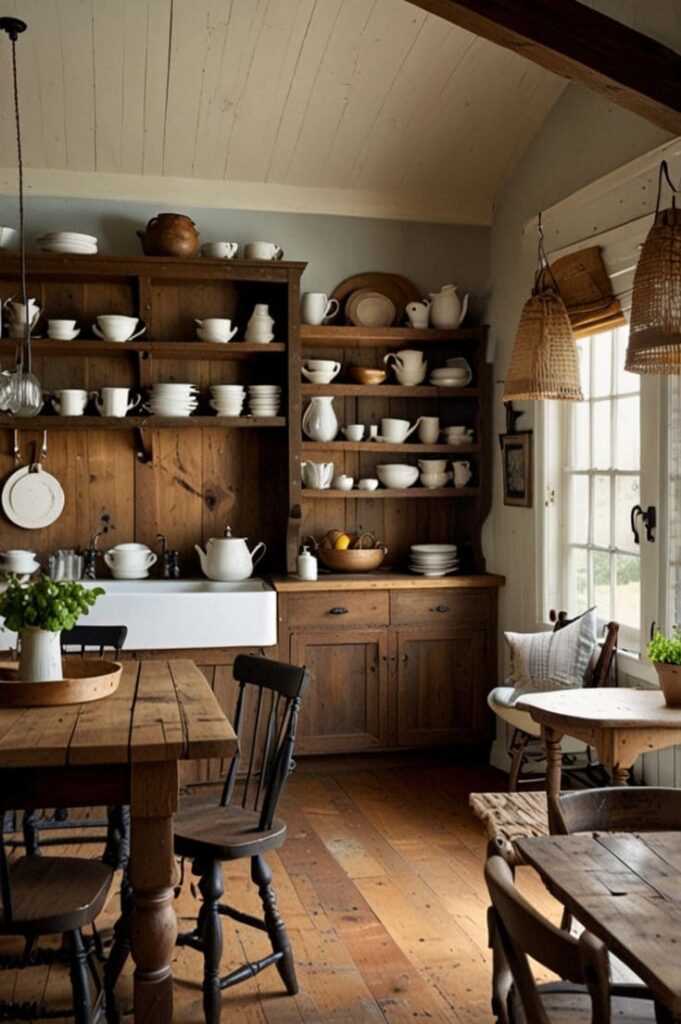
(655,329)
(544,362)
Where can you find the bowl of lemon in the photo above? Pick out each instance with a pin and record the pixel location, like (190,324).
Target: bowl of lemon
(341,551)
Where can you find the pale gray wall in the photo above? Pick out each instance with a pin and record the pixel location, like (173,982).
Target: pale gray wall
(334,247)
(582,139)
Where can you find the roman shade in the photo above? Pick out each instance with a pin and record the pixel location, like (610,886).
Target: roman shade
(586,290)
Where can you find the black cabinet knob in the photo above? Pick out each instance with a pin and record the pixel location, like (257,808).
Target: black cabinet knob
(338,611)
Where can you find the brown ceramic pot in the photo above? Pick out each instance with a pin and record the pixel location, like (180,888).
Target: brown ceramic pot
(670,682)
(170,234)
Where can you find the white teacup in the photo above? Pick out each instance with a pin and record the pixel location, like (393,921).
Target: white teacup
(320,371)
(114,401)
(429,429)
(432,465)
(353,431)
(343,482)
(367,483)
(70,401)
(215,329)
(263,251)
(220,250)
(62,330)
(316,307)
(113,327)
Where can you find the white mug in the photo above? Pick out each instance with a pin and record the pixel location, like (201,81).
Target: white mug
(429,429)
(263,251)
(220,250)
(396,431)
(353,431)
(316,307)
(115,327)
(462,473)
(70,401)
(114,401)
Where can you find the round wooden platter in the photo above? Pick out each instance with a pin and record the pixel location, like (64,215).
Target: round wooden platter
(400,290)
(86,680)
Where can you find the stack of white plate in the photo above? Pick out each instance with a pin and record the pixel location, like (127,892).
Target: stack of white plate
(450,377)
(68,242)
(433,559)
(227,399)
(264,399)
(173,399)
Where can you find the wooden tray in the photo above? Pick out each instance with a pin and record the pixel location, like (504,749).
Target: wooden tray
(400,290)
(86,680)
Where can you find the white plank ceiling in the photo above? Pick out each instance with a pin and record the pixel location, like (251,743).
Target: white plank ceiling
(302,99)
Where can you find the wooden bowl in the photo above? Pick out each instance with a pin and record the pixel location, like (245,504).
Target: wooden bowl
(85,679)
(361,560)
(366,375)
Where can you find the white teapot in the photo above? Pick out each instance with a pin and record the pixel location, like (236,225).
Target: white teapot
(447,310)
(228,558)
(317,475)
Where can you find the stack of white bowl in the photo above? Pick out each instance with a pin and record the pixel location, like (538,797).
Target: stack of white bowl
(450,377)
(172,399)
(433,559)
(68,242)
(227,399)
(264,399)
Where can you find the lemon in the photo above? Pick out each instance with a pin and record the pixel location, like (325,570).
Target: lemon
(343,542)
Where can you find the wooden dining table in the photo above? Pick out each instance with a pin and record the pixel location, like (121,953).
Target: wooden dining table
(124,749)
(626,889)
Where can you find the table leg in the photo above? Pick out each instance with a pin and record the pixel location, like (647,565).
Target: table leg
(153,875)
(554,770)
(620,775)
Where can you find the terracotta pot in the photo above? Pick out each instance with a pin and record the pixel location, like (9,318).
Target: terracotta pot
(170,234)
(670,682)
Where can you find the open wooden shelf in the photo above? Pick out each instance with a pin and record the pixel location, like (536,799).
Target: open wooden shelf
(387,391)
(378,446)
(160,349)
(330,336)
(386,492)
(130,422)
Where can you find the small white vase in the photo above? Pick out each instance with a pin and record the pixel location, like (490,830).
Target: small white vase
(319,419)
(39,656)
(260,327)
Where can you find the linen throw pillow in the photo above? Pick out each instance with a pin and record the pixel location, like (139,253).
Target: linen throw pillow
(554,660)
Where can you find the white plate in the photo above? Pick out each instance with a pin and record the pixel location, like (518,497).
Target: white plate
(373,310)
(32,499)
(435,549)
(433,572)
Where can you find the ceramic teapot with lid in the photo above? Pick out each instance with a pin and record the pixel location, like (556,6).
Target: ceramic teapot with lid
(228,559)
(170,234)
(447,310)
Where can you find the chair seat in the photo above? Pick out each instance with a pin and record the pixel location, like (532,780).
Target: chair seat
(203,828)
(502,703)
(52,895)
(575,1008)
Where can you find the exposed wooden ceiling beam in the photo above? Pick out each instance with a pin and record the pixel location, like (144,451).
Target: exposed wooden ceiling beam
(587,47)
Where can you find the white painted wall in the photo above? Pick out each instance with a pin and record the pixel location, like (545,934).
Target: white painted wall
(334,247)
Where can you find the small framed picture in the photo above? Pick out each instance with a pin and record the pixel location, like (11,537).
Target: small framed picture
(516,458)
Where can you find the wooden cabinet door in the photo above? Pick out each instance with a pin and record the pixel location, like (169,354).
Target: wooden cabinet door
(441,686)
(345,707)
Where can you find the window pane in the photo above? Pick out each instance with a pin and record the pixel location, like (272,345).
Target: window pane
(601,345)
(627,433)
(584,352)
(628,590)
(578,587)
(625,382)
(601,435)
(601,511)
(580,457)
(627,494)
(578,516)
(601,583)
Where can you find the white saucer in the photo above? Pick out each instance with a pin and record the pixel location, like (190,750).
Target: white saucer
(433,573)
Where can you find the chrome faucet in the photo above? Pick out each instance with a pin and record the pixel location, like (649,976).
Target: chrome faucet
(90,556)
(170,560)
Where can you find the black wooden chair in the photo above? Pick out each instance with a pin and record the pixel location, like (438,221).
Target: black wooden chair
(589,994)
(53,896)
(619,809)
(243,823)
(114,832)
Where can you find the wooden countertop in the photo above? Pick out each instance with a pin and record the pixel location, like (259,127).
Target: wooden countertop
(384,581)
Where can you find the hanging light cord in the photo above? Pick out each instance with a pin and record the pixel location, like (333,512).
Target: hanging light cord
(24,344)
(665,176)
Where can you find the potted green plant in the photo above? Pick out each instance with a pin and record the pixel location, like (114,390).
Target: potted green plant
(665,654)
(38,612)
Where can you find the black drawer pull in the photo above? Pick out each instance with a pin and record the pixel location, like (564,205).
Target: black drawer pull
(442,608)
(338,611)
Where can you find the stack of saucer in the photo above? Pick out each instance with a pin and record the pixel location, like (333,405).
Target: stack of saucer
(227,399)
(68,242)
(172,399)
(433,559)
(264,399)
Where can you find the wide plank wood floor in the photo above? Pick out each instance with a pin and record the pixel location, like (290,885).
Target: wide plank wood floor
(380,884)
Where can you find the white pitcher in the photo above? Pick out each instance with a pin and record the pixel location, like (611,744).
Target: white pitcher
(317,475)
(320,422)
(409,365)
(462,473)
(447,310)
(260,326)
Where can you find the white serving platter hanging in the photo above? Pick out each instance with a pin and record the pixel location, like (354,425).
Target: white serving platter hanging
(32,498)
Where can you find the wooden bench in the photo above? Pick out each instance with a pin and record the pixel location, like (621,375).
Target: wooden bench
(511,816)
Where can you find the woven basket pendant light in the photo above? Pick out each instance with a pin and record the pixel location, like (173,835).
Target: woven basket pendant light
(655,328)
(544,362)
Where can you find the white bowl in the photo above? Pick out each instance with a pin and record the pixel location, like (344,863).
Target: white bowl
(397,475)
(434,549)
(367,483)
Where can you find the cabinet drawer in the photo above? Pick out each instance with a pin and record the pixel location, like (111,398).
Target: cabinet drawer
(339,608)
(433,607)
